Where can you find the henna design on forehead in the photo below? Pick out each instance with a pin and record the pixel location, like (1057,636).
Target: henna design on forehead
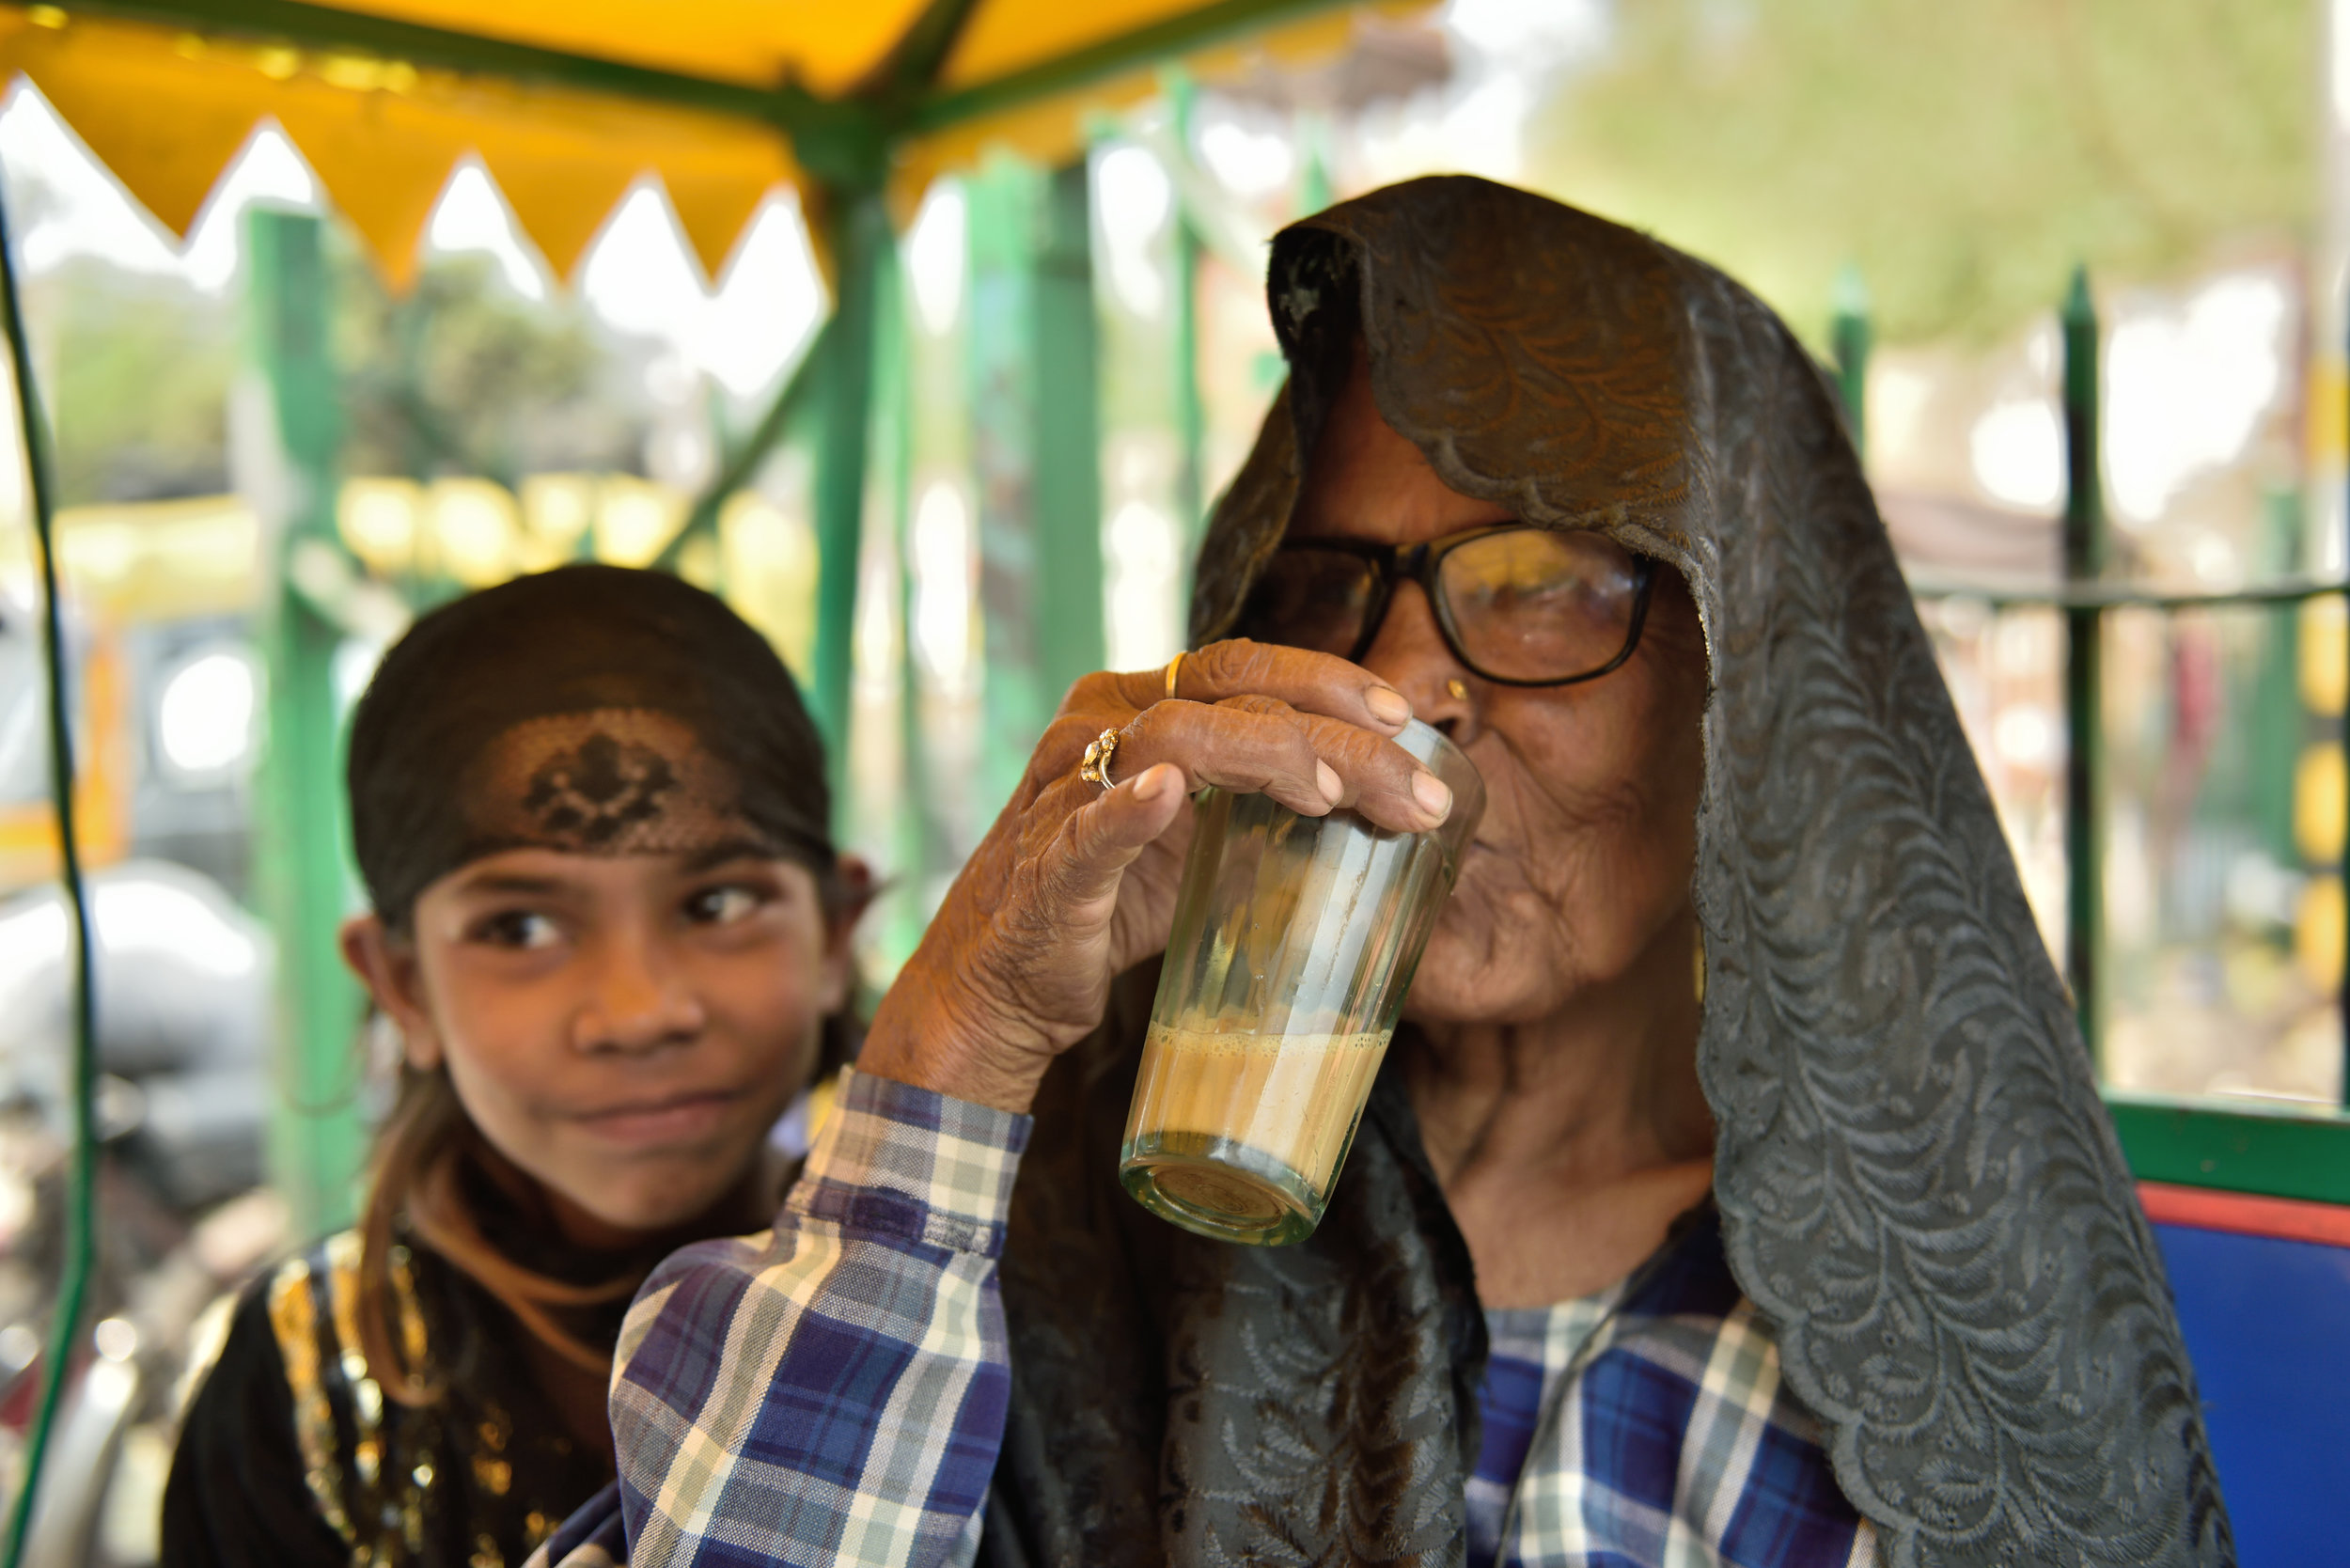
(599,789)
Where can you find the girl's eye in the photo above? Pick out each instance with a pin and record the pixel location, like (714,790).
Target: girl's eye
(517,928)
(723,905)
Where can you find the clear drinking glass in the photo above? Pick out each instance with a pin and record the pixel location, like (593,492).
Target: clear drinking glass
(1294,942)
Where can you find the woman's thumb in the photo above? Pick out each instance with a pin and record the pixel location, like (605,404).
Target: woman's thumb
(1100,840)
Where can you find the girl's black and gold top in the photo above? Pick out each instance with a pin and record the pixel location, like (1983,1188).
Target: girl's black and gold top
(293,1454)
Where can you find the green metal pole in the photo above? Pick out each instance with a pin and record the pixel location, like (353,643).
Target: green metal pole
(1851,338)
(744,462)
(1313,185)
(1066,438)
(316,1142)
(1004,199)
(81,1186)
(2084,664)
(1191,422)
(1035,445)
(859,226)
(917,842)
(2277,717)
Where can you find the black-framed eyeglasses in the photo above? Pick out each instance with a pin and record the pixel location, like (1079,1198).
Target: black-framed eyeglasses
(1520,605)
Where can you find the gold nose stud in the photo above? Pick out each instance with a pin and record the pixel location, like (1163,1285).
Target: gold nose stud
(1458,688)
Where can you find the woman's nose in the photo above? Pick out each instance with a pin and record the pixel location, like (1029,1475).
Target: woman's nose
(1411,654)
(638,1001)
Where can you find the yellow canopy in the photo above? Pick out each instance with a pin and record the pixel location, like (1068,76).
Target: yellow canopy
(570,102)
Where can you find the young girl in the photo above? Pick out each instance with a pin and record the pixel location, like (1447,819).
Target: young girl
(609,924)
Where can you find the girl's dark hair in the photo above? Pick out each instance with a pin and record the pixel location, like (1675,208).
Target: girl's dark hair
(537,713)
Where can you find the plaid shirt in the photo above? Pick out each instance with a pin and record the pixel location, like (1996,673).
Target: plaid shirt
(834,1390)
(1648,1425)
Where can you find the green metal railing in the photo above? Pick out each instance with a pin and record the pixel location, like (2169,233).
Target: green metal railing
(2199,1142)
(2084,671)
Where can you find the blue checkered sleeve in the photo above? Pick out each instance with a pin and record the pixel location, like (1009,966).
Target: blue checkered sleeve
(833,1390)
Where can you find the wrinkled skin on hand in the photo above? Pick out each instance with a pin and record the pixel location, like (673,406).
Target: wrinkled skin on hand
(1076,884)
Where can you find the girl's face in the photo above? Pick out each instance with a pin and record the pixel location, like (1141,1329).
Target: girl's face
(626,1028)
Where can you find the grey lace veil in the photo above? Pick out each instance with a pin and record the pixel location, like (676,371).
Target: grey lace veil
(1918,1183)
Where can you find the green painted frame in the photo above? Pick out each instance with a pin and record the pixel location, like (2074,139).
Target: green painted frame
(2280,1153)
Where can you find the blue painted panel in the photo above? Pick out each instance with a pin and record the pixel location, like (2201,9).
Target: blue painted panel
(2269,1324)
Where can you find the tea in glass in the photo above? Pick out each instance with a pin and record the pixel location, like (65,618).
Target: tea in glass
(1294,942)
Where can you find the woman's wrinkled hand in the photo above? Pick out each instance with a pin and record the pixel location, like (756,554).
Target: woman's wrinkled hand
(1076,884)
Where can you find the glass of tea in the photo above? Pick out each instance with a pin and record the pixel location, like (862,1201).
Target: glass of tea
(1294,942)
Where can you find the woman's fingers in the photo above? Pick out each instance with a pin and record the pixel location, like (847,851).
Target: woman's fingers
(1061,897)
(1308,762)
(1377,778)
(1310,730)
(1233,747)
(1308,682)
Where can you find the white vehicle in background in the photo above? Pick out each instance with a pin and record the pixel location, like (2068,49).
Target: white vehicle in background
(183,1012)
(183,1008)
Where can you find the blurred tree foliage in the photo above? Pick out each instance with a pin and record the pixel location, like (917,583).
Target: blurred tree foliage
(136,370)
(1964,156)
(460,376)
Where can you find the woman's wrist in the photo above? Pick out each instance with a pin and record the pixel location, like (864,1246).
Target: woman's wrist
(932,1043)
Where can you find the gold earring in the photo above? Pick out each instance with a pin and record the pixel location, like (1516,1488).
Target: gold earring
(1458,688)
(1697,954)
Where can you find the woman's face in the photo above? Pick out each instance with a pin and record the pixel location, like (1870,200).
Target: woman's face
(1585,858)
(625,1029)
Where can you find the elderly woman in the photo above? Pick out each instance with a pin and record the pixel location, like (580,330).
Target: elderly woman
(1736,1190)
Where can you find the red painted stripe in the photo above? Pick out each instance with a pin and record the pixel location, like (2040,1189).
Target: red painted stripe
(2246,1214)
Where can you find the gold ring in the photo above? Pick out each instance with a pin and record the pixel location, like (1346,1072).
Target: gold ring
(1174,671)
(1095,769)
